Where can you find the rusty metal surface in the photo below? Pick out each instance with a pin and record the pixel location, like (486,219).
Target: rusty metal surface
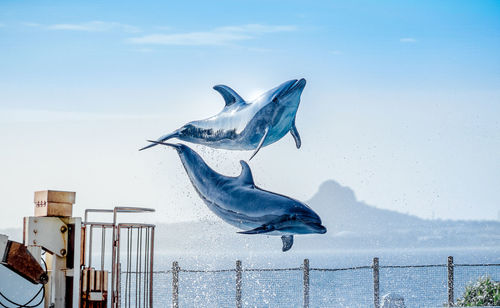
(55,196)
(19,260)
(94,292)
(54,203)
(52,209)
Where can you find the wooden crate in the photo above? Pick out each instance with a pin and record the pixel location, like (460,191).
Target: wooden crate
(54,203)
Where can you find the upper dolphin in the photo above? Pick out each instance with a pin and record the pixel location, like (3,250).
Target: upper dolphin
(245,125)
(239,202)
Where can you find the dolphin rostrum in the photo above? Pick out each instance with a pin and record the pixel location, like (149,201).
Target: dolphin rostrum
(245,125)
(239,202)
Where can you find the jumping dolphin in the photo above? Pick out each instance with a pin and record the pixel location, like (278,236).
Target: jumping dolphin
(239,202)
(246,125)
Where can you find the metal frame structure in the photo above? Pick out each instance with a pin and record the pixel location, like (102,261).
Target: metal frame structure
(144,256)
(60,237)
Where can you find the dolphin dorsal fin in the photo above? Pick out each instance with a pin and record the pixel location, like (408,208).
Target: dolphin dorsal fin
(229,95)
(246,174)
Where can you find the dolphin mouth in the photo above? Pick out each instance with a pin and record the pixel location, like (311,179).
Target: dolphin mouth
(293,86)
(314,226)
(322,229)
(318,228)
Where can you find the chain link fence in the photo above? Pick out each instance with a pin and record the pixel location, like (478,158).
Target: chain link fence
(432,285)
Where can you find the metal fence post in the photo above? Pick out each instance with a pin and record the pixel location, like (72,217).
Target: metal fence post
(376,283)
(450,282)
(238,283)
(175,284)
(306,283)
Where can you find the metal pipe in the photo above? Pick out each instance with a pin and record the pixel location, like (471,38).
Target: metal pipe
(103,246)
(105,289)
(376,283)
(151,258)
(135,225)
(99,224)
(127,274)
(95,211)
(306,283)
(451,297)
(137,269)
(90,245)
(146,250)
(139,287)
(92,280)
(238,284)
(113,268)
(119,282)
(175,284)
(118,272)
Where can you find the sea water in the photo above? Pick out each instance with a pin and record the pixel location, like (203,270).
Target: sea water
(420,287)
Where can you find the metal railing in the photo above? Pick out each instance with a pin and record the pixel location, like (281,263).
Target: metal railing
(137,257)
(443,272)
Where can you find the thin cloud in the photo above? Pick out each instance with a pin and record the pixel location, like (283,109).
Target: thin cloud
(407,40)
(256,28)
(10,116)
(95,26)
(163,28)
(217,36)
(31,24)
(145,50)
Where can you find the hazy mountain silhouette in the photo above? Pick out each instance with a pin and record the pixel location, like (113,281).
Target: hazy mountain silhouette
(353,224)
(340,211)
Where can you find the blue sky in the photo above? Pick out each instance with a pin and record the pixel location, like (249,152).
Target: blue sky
(402,100)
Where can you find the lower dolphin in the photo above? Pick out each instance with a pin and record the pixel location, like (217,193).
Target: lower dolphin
(239,202)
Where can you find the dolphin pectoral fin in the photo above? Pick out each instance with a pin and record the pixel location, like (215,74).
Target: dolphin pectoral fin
(287,242)
(230,96)
(259,230)
(266,131)
(160,140)
(295,135)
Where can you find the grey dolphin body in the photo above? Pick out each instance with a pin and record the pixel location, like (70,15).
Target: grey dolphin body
(239,202)
(245,125)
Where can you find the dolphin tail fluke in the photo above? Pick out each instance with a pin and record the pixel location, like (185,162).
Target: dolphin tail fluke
(287,242)
(266,131)
(295,135)
(259,230)
(160,140)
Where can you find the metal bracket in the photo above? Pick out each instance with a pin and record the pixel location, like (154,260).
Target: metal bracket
(4,239)
(51,233)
